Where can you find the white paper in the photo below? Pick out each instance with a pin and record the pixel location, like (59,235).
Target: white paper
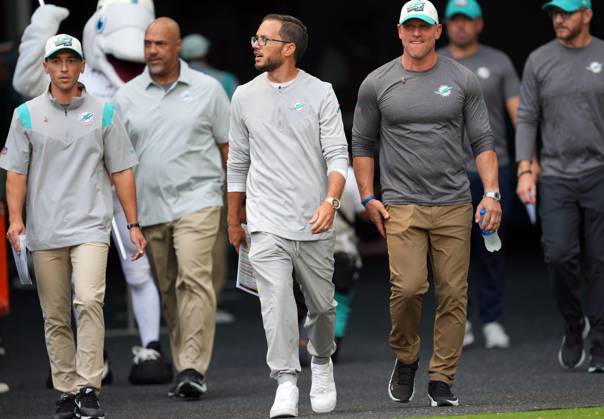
(532,213)
(118,239)
(246,278)
(21,261)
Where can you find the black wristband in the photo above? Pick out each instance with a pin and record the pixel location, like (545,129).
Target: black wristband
(129,226)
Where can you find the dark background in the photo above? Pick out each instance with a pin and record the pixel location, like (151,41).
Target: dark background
(362,34)
(347,40)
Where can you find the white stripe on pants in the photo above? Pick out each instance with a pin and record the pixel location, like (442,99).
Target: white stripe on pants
(274,259)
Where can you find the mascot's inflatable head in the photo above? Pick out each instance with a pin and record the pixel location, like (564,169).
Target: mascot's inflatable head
(114,38)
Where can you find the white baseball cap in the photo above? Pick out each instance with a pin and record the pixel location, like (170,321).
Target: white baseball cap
(63,42)
(419,9)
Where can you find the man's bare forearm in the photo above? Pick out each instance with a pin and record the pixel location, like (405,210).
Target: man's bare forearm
(235,204)
(16,189)
(488,169)
(364,173)
(125,187)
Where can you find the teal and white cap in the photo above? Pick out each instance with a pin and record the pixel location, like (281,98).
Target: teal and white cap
(569,6)
(419,9)
(468,8)
(63,42)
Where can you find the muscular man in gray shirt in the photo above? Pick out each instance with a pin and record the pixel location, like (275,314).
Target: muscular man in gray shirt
(418,106)
(563,94)
(501,89)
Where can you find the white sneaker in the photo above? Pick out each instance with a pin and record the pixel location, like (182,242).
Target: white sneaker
(286,401)
(468,337)
(495,336)
(323,394)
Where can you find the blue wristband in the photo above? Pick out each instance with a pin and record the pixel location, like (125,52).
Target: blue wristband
(365,201)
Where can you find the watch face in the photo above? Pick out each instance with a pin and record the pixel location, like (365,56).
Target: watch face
(336,203)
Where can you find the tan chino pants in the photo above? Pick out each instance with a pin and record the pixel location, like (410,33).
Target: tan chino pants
(181,260)
(82,366)
(442,232)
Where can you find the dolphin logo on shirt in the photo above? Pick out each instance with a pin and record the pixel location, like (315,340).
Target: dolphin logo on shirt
(87,118)
(443,90)
(595,67)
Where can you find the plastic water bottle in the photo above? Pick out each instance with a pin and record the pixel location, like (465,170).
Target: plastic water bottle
(491,239)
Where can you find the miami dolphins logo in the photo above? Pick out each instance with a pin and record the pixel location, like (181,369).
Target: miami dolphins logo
(87,118)
(483,72)
(595,67)
(417,6)
(443,90)
(298,106)
(64,40)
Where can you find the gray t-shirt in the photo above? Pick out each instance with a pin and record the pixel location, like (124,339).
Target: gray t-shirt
(67,155)
(563,93)
(284,141)
(499,82)
(418,119)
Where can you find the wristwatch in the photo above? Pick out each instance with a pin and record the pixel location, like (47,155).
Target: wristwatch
(334,202)
(493,195)
(129,226)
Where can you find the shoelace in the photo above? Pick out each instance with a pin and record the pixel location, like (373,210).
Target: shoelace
(89,399)
(405,374)
(283,393)
(321,379)
(144,354)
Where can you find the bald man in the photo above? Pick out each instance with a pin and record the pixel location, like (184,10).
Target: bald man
(177,119)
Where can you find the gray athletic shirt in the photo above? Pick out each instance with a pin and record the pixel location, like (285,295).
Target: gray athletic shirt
(283,143)
(67,154)
(418,119)
(499,82)
(562,92)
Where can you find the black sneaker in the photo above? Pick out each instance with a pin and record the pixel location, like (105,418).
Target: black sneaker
(87,405)
(402,381)
(440,394)
(65,407)
(149,366)
(596,362)
(572,353)
(189,385)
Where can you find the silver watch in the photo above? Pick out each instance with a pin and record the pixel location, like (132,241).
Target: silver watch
(493,195)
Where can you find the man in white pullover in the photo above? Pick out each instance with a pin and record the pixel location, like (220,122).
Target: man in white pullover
(288,158)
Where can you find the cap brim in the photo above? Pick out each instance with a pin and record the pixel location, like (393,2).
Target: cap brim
(560,5)
(54,51)
(425,18)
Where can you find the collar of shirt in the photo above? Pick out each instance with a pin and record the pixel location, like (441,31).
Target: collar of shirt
(76,101)
(183,77)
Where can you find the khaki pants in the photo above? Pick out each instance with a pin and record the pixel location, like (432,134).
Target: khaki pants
(181,259)
(219,255)
(73,368)
(442,232)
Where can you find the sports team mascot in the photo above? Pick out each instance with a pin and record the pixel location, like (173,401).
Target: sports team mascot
(113,49)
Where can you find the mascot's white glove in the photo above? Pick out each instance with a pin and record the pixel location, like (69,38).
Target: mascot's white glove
(29,79)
